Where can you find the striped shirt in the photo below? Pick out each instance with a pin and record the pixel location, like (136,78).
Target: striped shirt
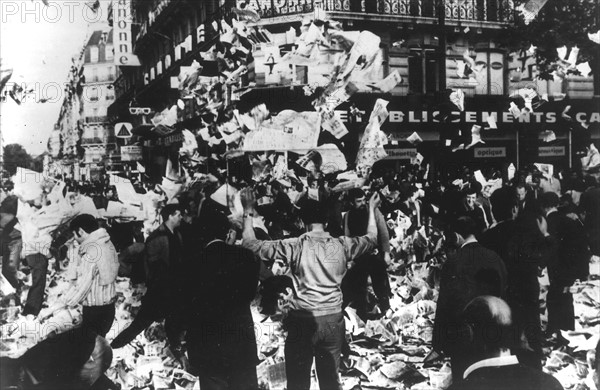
(95,269)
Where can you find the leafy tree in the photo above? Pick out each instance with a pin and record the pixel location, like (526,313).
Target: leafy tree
(558,23)
(16,156)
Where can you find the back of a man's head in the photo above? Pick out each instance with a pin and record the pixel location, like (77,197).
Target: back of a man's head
(86,222)
(465,226)
(313,211)
(489,323)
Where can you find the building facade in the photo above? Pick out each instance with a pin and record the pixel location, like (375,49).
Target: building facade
(98,139)
(425,41)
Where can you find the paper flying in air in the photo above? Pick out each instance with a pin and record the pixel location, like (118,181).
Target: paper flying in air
(584,68)
(491,120)
(458,99)
(595,37)
(548,136)
(530,9)
(414,138)
(511,171)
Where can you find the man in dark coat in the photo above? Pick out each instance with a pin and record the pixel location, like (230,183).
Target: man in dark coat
(220,330)
(568,263)
(163,260)
(524,245)
(491,364)
(472,272)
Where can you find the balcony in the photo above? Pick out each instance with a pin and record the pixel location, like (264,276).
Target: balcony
(494,12)
(96,119)
(98,140)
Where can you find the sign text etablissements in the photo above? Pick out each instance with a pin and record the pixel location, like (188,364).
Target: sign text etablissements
(551,151)
(489,152)
(479,117)
(122,38)
(401,153)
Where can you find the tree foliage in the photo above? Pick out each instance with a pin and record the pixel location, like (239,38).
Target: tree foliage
(559,23)
(16,156)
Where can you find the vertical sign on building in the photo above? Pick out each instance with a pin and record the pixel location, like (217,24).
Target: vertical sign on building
(122,38)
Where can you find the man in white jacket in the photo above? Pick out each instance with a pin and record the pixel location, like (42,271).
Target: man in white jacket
(96,265)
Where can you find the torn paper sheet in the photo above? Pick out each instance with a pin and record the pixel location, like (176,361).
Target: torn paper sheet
(514,110)
(170,188)
(417,160)
(546,169)
(331,122)
(530,9)
(120,210)
(414,139)
(167,117)
(28,184)
(475,136)
(548,136)
(363,51)
(480,178)
(584,68)
(125,190)
(290,130)
(332,159)
(511,171)
(389,83)
(491,120)
(225,195)
(380,112)
(371,148)
(595,37)
(458,99)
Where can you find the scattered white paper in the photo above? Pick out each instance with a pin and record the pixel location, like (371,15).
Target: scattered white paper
(414,139)
(548,136)
(511,171)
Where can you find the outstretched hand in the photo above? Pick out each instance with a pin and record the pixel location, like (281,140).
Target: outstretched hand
(375,201)
(248,199)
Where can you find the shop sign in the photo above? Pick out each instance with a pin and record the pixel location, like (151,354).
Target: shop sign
(131,153)
(170,139)
(490,152)
(551,151)
(401,153)
(122,38)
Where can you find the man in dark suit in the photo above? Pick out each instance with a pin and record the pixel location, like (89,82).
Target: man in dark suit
(568,263)
(220,330)
(491,364)
(472,272)
(163,262)
(524,245)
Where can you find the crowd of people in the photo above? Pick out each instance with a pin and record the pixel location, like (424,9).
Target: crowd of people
(203,264)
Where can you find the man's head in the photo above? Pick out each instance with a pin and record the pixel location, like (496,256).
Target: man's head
(487,191)
(488,327)
(521,192)
(394,194)
(358,198)
(471,197)
(313,213)
(218,227)
(464,227)
(171,215)
(82,225)
(549,201)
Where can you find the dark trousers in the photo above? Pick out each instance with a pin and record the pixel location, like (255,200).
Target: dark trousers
(561,315)
(11,259)
(354,285)
(319,337)
(526,317)
(98,319)
(222,352)
(35,297)
(156,306)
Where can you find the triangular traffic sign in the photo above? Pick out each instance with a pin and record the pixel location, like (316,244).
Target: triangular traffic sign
(123,130)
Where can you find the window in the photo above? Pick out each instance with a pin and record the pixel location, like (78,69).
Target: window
(94,77)
(110,55)
(491,77)
(93,94)
(423,71)
(94,54)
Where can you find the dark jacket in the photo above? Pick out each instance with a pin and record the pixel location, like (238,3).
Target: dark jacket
(474,271)
(220,337)
(570,261)
(510,377)
(163,258)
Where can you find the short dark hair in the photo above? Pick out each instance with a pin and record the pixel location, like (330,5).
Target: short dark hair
(86,222)
(356,193)
(313,211)
(215,225)
(168,210)
(490,321)
(465,226)
(549,200)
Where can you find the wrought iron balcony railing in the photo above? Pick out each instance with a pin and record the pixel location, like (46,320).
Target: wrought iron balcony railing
(497,11)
